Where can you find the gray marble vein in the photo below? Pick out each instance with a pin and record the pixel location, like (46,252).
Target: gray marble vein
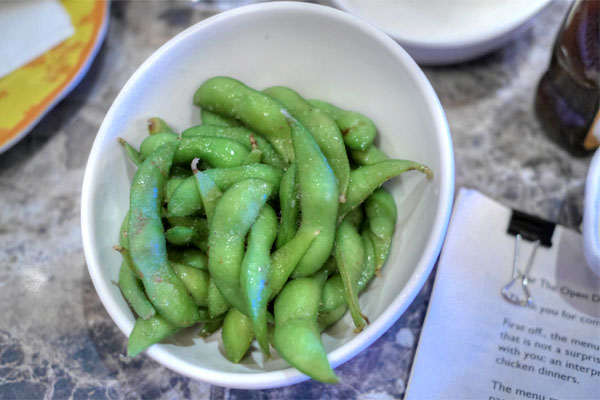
(56,339)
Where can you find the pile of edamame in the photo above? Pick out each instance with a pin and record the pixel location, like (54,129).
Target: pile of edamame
(266,221)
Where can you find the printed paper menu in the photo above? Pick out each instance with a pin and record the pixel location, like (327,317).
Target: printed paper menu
(477,345)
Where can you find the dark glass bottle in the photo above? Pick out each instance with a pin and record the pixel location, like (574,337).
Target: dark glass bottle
(568,94)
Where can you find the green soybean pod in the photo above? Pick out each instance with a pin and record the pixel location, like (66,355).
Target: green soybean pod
(158,125)
(154,142)
(192,257)
(364,180)
(218,152)
(217,305)
(327,319)
(180,235)
(147,244)
(210,118)
(210,327)
(324,130)
(253,158)
(256,269)
(224,178)
(132,153)
(349,256)
(319,198)
(203,314)
(133,291)
(333,299)
(285,259)
(185,235)
(209,192)
(333,293)
(186,200)
(289,205)
(358,131)
(237,335)
(172,185)
(369,156)
(147,332)
(235,213)
(382,214)
(195,281)
(244,136)
(356,216)
(231,98)
(296,335)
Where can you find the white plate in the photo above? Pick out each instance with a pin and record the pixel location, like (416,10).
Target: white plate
(436,32)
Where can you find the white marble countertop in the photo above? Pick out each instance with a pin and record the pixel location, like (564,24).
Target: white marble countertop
(56,339)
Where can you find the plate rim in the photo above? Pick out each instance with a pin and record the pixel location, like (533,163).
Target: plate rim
(69,85)
(473,42)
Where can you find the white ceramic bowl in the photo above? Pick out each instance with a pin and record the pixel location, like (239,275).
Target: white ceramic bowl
(322,53)
(591,215)
(438,32)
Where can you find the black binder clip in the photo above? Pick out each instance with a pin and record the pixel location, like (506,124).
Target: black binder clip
(537,230)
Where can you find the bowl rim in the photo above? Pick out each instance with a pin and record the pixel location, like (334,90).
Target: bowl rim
(289,375)
(499,31)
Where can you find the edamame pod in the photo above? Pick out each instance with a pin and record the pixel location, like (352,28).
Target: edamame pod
(285,259)
(289,205)
(132,153)
(244,136)
(129,283)
(356,217)
(210,118)
(237,335)
(382,214)
(154,142)
(226,177)
(217,305)
(209,192)
(158,125)
(180,235)
(195,281)
(329,318)
(192,257)
(296,334)
(186,200)
(333,297)
(349,256)
(358,131)
(172,185)
(323,129)
(210,327)
(364,180)
(253,158)
(147,245)
(133,291)
(319,198)
(231,98)
(147,332)
(218,152)
(256,269)
(369,156)
(369,267)
(235,213)
(194,233)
